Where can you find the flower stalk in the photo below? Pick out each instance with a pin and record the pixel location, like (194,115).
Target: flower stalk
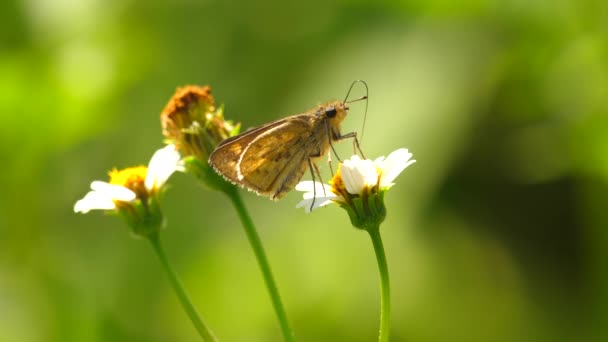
(385,288)
(181,293)
(214,181)
(258,250)
(196,126)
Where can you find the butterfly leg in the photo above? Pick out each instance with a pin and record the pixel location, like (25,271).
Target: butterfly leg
(351,135)
(336,136)
(331,169)
(314,169)
(314,188)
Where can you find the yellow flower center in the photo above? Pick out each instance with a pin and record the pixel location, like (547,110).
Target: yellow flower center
(132,178)
(337,185)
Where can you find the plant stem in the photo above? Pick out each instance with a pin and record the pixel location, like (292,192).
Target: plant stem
(196,319)
(258,250)
(385,306)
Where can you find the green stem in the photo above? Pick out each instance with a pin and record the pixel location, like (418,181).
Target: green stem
(196,319)
(260,255)
(385,307)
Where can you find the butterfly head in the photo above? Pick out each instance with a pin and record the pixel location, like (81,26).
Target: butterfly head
(335,111)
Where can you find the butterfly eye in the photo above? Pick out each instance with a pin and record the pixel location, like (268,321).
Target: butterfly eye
(331,112)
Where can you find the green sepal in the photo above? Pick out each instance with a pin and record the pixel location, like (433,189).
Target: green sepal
(205,173)
(366,212)
(143,217)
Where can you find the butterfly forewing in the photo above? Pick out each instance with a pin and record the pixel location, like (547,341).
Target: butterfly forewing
(226,156)
(276,158)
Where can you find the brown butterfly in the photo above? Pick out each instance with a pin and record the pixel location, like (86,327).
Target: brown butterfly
(272,158)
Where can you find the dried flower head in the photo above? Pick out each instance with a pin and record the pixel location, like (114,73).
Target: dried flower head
(193,123)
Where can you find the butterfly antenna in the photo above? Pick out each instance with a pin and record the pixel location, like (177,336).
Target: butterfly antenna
(364,97)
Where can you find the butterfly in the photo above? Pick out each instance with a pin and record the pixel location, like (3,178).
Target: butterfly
(271,159)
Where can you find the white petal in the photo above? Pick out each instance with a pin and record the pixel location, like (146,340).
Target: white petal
(357,174)
(319,194)
(162,165)
(318,202)
(353,181)
(310,186)
(94,200)
(379,160)
(102,197)
(370,173)
(113,191)
(393,165)
(306,185)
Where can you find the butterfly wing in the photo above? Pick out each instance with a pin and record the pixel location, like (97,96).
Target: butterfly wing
(227,154)
(278,158)
(268,160)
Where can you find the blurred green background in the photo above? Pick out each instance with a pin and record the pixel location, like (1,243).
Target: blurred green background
(497,233)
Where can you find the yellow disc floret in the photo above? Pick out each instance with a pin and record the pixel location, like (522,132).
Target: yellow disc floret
(338,188)
(132,178)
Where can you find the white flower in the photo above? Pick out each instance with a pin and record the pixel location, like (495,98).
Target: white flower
(356,177)
(125,185)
